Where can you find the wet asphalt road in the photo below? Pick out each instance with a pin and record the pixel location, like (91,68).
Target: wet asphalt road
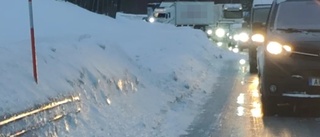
(234,110)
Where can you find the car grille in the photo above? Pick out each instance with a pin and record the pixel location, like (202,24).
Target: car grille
(303,84)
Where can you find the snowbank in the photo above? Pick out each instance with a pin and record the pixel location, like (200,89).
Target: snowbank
(133,78)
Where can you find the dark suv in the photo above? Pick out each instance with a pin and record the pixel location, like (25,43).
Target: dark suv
(289,60)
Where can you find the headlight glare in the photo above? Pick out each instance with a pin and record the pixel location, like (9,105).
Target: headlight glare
(220,32)
(274,48)
(257,38)
(236,37)
(287,48)
(151,19)
(244,37)
(219,44)
(209,31)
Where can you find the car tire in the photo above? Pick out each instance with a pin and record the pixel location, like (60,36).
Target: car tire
(253,67)
(269,106)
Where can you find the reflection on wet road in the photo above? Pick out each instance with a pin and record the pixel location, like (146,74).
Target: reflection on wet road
(241,115)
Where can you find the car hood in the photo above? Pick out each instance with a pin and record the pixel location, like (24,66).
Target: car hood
(283,36)
(300,41)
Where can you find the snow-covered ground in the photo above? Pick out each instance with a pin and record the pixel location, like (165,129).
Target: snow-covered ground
(134,78)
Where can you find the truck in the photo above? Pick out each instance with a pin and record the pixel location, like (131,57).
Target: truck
(150,9)
(229,24)
(198,14)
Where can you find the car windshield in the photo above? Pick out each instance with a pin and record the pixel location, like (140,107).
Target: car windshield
(233,14)
(298,15)
(260,14)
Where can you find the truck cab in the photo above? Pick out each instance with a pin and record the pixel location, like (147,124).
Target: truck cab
(233,11)
(164,13)
(150,9)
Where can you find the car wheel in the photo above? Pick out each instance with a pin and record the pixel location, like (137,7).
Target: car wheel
(269,106)
(253,67)
(253,60)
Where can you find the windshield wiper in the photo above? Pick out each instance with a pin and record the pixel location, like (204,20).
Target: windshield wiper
(290,30)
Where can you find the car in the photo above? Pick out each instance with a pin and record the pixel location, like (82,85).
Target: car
(289,58)
(259,14)
(240,36)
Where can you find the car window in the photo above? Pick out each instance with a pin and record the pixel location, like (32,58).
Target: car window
(298,15)
(260,14)
(233,14)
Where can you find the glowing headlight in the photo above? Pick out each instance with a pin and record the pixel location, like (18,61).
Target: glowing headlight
(257,38)
(242,61)
(220,32)
(244,37)
(151,19)
(287,48)
(209,32)
(235,50)
(219,44)
(274,48)
(236,37)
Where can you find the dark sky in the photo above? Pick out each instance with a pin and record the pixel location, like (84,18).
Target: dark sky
(216,1)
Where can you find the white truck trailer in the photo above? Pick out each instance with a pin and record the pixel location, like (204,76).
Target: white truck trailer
(198,14)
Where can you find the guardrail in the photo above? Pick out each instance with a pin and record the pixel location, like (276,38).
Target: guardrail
(35,118)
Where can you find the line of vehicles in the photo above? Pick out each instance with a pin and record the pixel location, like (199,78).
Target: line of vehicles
(225,24)
(284,50)
(282,38)
(220,21)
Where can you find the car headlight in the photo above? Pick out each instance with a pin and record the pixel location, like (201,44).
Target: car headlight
(209,31)
(151,19)
(235,50)
(257,38)
(244,37)
(220,32)
(236,37)
(276,48)
(287,48)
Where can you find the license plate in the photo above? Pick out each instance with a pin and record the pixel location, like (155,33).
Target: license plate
(314,81)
